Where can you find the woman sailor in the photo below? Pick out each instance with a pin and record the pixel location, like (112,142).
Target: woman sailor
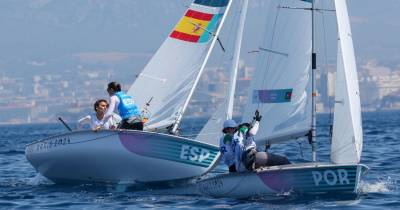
(243,143)
(225,144)
(96,119)
(244,148)
(130,114)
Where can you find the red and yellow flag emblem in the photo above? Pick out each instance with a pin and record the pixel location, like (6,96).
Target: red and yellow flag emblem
(196,26)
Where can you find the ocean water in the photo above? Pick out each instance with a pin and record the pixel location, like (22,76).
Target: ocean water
(22,188)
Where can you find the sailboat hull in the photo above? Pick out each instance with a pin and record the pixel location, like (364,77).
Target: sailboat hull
(313,178)
(119,156)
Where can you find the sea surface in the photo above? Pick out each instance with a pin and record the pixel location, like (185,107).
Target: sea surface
(21,187)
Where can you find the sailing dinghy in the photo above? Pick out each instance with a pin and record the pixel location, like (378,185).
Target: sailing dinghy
(283,90)
(163,89)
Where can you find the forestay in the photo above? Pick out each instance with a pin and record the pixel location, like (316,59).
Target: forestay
(281,86)
(347,136)
(170,74)
(212,130)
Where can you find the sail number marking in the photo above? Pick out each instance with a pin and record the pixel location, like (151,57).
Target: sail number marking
(330,177)
(46,145)
(193,153)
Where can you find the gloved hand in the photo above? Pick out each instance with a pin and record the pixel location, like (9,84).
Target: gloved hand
(257,116)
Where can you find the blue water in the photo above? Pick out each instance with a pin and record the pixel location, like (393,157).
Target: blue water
(22,188)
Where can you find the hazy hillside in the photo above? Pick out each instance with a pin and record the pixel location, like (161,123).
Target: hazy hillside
(50,29)
(55,27)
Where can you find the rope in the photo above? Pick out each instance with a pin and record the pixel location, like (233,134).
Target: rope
(101,137)
(326,64)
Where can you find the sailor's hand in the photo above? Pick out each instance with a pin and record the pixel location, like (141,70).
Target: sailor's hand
(99,127)
(257,116)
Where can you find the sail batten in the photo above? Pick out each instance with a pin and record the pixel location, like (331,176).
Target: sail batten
(283,137)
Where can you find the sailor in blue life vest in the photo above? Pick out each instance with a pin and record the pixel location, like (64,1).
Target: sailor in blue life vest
(225,144)
(246,156)
(130,114)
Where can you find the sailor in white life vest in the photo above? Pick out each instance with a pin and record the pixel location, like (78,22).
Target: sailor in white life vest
(96,120)
(243,142)
(225,144)
(247,158)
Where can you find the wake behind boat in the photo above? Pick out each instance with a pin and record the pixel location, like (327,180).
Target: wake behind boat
(120,156)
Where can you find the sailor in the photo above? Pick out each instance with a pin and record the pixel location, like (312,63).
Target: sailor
(225,144)
(247,158)
(96,119)
(130,114)
(243,143)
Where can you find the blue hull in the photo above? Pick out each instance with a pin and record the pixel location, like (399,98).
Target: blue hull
(312,178)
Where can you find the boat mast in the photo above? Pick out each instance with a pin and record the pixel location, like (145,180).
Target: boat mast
(314,91)
(235,61)
(180,115)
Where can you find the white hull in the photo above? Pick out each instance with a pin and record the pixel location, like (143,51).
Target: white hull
(119,157)
(312,178)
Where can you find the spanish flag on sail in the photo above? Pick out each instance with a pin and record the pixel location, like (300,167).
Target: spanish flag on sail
(199,24)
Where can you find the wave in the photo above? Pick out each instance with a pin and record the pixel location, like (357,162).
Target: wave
(38,180)
(381,186)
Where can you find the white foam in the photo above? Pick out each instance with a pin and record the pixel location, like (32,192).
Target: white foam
(287,193)
(38,180)
(381,186)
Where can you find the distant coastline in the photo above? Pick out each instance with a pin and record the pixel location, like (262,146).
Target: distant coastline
(188,118)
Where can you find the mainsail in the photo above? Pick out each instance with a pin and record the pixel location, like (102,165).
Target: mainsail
(347,135)
(281,86)
(169,76)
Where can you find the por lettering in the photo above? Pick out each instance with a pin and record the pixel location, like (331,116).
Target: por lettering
(330,177)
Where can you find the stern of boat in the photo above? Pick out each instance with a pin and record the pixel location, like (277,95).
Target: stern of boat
(302,179)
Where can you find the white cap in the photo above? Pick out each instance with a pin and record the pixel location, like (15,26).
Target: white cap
(230,124)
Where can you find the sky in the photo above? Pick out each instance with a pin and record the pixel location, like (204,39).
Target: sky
(376,28)
(53,29)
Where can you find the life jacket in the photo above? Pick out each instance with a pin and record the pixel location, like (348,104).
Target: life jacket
(225,146)
(126,106)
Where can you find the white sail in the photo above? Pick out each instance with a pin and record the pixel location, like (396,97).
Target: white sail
(212,130)
(281,86)
(236,57)
(169,76)
(347,135)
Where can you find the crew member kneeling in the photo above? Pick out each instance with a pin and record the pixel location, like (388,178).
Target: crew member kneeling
(244,148)
(130,114)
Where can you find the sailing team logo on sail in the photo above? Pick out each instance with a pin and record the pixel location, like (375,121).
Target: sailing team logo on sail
(199,26)
(272,96)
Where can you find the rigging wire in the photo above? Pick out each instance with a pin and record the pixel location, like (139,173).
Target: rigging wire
(231,39)
(225,55)
(269,55)
(228,54)
(326,71)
